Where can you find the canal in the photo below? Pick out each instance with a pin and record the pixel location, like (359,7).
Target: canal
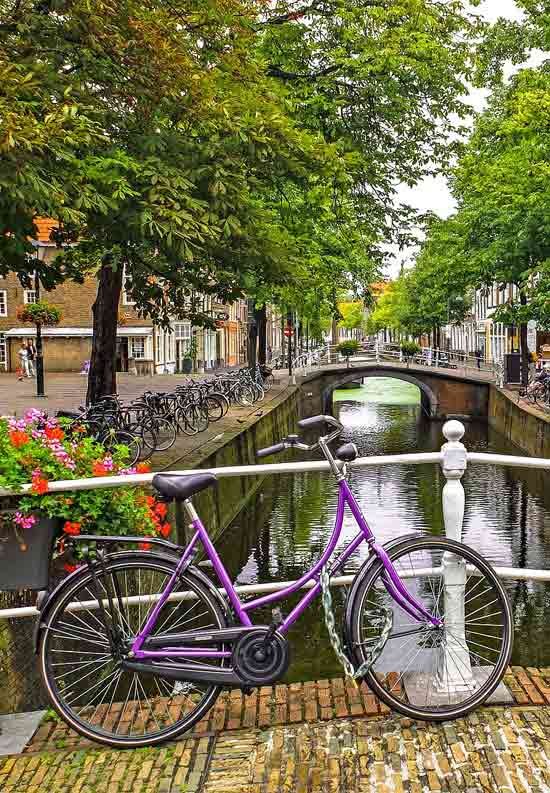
(285,526)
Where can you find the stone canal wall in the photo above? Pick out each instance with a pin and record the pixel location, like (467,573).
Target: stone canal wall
(520,423)
(237,446)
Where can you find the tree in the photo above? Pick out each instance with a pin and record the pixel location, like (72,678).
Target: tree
(502,186)
(223,147)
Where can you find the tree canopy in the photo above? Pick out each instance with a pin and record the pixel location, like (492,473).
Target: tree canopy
(228,148)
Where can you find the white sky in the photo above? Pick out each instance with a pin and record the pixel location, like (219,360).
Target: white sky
(433,193)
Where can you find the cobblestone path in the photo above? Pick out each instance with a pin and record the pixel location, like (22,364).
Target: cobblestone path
(495,749)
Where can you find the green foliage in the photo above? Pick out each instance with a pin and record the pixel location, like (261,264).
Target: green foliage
(40,450)
(348,348)
(352,315)
(39,313)
(410,348)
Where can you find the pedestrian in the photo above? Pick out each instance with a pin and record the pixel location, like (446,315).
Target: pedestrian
(22,370)
(533,358)
(479,356)
(31,357)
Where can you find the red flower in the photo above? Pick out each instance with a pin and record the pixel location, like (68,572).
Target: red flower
(39,485)
(70,568)
(54,433)
(165,529)
(145,546)
(19,438)
(161,510)
(143,468)
(150,501)
(98,469)
(72,528)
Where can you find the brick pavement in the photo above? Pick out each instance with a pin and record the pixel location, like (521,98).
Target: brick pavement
(307,738)
(68,390)
(495,749)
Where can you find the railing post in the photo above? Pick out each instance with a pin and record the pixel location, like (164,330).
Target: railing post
(454,669)
(437,358)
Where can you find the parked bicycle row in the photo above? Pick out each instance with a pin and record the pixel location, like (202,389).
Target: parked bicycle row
(152,422)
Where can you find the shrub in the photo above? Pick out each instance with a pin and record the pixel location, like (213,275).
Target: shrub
(410,348)
(348,348)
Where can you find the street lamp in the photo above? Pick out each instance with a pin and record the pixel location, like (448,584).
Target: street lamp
(40,255)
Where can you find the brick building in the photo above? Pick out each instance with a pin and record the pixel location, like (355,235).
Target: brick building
(141,346)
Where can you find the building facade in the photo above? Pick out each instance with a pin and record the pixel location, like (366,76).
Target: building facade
(142,347)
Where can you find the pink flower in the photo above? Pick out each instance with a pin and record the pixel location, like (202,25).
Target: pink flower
(25,521)
(108,463)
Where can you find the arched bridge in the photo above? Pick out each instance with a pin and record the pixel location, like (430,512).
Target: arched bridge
(445,393)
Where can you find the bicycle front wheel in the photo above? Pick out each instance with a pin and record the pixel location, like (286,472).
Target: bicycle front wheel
(84,677)
(427,672)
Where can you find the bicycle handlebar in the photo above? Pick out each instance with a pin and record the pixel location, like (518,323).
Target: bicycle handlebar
(314,421)
(278,447)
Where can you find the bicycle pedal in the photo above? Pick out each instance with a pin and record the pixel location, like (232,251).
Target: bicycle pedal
(276,616)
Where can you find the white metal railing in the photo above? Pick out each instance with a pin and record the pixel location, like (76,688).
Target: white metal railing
(453,458)
(382,352)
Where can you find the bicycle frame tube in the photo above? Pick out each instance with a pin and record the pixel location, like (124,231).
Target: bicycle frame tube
(390,578)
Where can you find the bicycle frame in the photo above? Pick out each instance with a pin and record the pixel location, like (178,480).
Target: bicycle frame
(390,578)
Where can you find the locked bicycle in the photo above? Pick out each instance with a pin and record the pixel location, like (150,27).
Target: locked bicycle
(135,646)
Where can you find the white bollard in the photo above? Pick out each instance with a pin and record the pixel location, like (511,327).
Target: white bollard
(454,672)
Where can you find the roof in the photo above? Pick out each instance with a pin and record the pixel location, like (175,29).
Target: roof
(44,228)
(121,331)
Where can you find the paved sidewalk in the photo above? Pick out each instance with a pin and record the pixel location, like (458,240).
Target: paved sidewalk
(68,390)
(492,750)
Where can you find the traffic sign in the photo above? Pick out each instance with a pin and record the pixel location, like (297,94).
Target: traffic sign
(288,331)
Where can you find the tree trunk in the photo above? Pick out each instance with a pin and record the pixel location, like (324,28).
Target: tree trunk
(261,322)
(523,349)
(334,330)
(102,375)
(252,335)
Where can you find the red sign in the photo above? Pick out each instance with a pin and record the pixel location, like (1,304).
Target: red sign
(288,331)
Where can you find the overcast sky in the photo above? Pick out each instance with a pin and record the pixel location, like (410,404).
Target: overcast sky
(433,194)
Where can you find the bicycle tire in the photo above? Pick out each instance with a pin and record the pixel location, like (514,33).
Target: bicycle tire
(370,588)
(66,635)
(159,434)
(111,438)
(214,408)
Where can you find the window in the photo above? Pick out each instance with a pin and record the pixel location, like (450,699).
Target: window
(183,334)
(3,303)
(137,347)
(29,296)
(127,299)
(2,351)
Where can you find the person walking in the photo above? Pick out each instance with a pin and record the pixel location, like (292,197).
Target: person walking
(31,357)
(23,361)
(479,356)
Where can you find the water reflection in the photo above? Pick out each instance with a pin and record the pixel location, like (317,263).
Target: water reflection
(285,526)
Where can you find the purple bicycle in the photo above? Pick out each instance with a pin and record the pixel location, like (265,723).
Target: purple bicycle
(135,646)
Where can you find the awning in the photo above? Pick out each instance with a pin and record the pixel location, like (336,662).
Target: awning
(123,331)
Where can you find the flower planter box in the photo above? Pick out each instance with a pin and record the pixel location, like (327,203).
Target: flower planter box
(25,556)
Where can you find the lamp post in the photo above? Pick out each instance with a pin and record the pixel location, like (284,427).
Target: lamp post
(40,255)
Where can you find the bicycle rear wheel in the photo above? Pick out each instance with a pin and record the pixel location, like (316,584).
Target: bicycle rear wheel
(112,438)
(425,672)
(86,682)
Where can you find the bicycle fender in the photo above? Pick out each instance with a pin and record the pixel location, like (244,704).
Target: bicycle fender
(361,573)
(46,600)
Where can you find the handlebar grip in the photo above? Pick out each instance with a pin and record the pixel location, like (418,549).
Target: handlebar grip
(313,421)
(278,447)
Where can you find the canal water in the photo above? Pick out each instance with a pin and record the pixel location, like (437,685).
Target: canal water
(284,527)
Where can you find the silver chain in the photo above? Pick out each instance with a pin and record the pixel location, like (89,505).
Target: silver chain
(370,656)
